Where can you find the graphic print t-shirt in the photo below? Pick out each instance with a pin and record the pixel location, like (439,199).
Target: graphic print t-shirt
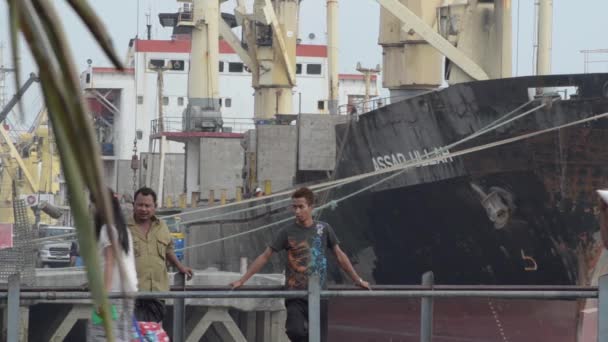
(306,252)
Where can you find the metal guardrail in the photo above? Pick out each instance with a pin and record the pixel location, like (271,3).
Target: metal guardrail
(13,295)
(374,103)
(171,124)
(178,124)
(505,294)
(592,289)
(241,125)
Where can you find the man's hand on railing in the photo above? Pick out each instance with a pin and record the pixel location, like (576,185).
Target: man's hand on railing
(187,271)
(236,284)
(363,284)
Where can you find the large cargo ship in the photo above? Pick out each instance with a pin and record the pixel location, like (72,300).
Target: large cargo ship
(523,213)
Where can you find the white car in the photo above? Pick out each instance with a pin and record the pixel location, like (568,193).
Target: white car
(55,252)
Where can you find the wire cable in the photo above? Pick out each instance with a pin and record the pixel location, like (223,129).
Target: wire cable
(402,168)
(503,120)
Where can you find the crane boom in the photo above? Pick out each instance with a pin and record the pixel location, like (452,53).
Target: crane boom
(9,106)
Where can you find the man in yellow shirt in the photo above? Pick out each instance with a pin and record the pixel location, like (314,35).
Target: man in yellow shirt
(153,248)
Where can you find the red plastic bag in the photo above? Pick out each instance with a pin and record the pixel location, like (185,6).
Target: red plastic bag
(152,332)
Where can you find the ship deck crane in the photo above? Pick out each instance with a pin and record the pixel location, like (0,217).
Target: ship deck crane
(32,165)
(12,150)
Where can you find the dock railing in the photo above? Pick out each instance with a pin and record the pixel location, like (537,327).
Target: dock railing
(14,296)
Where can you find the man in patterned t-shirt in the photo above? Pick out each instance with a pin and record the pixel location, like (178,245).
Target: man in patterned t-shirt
(306,243)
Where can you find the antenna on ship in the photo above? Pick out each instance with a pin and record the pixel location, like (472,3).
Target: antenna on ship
(148,26)
(2,76)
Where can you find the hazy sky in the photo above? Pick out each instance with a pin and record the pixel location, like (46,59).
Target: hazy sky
(578,25)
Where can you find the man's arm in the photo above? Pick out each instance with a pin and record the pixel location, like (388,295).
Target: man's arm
(346,265)
(604,222)
(255,267)
(180,267)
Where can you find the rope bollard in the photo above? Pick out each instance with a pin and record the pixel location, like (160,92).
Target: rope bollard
(195,198)
(211,200)
(223,197)
(239,194)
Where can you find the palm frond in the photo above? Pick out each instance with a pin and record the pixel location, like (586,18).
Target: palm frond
(80,122)
(41,27)
(54,91)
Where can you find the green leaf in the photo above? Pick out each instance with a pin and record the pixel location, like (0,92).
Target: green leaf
(86,235)
(74,135)
(52,88)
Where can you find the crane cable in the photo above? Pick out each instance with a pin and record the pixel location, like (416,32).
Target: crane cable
(404,167)
(340,182)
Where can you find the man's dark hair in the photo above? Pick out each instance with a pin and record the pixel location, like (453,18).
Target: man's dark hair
(305,193)
(145,191)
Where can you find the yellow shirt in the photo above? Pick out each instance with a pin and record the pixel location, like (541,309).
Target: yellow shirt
(151,255)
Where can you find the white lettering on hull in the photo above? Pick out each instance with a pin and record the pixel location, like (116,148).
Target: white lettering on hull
(390,160)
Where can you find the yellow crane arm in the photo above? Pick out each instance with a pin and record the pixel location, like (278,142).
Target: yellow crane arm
(15,154)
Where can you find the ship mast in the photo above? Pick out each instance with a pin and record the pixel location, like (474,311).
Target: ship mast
(203,78)
(203,111)
(545,38)
(273,46)
(504,32)
(332,55)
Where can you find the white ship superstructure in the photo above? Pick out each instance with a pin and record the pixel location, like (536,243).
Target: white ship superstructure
(125,104)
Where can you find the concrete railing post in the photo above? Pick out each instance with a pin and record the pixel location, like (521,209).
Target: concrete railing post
(426,310)
(179,310)
(314,308)
(13,323)
(602,306)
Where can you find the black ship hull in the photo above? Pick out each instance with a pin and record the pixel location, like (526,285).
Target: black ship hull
(523,213)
